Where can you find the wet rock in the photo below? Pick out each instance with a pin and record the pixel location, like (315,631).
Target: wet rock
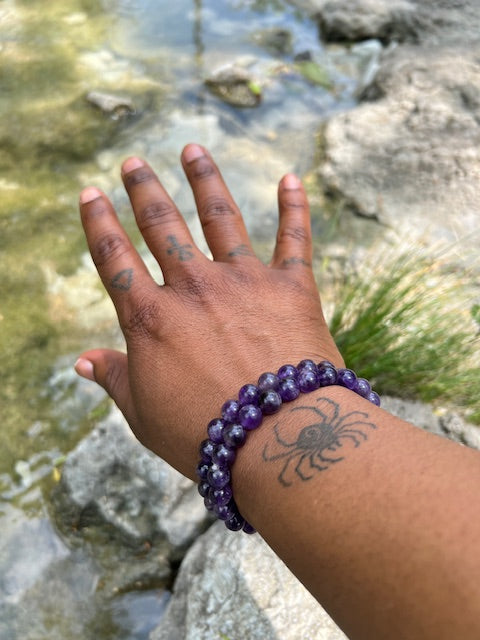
(235,86)
(114,106)
(276,40)
(410,156)
(246,594)
(111,483)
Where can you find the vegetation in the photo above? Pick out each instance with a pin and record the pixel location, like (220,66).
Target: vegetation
(409,327)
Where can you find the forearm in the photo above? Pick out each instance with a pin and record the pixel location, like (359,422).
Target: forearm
(380,521)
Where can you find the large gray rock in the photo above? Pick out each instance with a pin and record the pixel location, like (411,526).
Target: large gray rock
(411,157)
(232,585)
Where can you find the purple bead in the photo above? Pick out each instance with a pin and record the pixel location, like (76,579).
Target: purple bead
(223,456)
(208,502)
(289,389)
(308,380)
(202,469)
(230,410)
(374,398)
(270,402)
(221,496)
(224,511)
(203,488)
(346,378)
(234,435)
(326,363)
(206,450)
(268,381)
(362,387)
(217,477)
(287,371)
(327,375)
(235,523)
(248,394)
(215,429)
(307,365)
(250,416)
(247,528)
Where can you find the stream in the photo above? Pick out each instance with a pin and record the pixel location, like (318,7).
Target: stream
(153,57)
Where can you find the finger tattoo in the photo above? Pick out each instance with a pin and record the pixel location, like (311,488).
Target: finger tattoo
(183,251)
(122,280)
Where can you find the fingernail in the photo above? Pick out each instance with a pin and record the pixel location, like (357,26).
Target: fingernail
(290,181)
(193,152)
(84,368)
(89,194)
(131,164)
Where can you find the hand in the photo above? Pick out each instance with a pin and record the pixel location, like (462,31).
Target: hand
(214,325)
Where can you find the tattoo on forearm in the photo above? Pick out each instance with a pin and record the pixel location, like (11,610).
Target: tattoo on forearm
(317,445)
(122,280)
(183,251)
(289,261)
(241,250)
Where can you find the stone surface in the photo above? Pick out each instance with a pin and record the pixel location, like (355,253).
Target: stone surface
(246,594)
(110,480)
(235,85)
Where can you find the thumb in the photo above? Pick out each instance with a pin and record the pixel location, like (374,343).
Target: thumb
(109,369)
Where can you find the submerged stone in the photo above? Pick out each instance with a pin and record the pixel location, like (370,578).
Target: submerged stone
(235,86)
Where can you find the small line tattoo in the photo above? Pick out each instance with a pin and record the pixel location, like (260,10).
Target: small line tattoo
(123,280)
(288,261)
(316,447)
(241,250)
(183,250)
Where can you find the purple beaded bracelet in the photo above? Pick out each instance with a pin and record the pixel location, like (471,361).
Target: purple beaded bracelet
(228,433)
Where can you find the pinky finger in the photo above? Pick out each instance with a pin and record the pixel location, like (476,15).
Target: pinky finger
(293,248)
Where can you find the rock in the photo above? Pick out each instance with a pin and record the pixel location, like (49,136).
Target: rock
(411,158)
(234,85)
(114,106)
(276,40)
(246,594)
(111,482)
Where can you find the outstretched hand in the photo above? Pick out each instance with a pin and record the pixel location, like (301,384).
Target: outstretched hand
(215,324)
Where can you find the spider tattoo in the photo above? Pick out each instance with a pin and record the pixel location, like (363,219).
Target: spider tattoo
(312,450)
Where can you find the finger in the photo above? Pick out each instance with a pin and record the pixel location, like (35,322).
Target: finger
(222,222)
(161,224)
(293,248)
(109,369)
(121,269)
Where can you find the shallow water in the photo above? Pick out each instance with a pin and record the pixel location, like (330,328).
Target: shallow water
(51,304)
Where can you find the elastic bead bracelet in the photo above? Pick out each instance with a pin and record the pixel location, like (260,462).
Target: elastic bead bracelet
(228,433)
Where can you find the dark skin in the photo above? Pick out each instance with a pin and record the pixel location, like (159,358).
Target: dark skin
(365,509)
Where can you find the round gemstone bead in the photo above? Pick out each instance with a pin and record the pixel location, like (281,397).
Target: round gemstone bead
(250,416)
(287,371)
(248,394)
(362,387)
(215,430)
(234,435)
(230,410)
(235,523)
(223,511)
(308,380)
(202,469)
(208,502)
(326,363)
(327,375)
(306,365)
(270,402)
(218,477)
(221,496)
(223,456)
(247,527)
(289,389)
(346,378)
(203,488)
(374,398)
(268,381)
(206,450)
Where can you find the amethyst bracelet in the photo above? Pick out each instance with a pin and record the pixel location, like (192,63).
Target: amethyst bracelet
(228,433)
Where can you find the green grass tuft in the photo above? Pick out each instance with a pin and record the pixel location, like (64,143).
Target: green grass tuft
(409,326)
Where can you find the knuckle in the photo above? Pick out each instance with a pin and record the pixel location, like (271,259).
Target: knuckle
(201,169)
(156,213)
(143,320)
(299,234)
(215,207)
(108,247)
(138,176)
(193,288)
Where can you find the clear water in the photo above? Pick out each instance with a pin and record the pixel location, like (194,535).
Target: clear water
(53,143)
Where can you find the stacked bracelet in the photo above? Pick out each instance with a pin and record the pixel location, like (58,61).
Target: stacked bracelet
(228,433)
